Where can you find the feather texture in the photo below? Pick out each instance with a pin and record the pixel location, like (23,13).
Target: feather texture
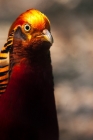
(5,63)
(27,108)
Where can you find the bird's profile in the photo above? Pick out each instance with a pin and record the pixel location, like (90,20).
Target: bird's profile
(27,104)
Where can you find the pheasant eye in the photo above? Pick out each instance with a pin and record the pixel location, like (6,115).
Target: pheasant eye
(27,27)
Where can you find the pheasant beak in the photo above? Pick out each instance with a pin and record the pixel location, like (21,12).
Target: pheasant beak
(46,36)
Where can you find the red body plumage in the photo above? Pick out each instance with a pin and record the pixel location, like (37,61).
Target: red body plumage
(27,108)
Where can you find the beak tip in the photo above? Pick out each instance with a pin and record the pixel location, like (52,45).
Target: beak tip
(48,36)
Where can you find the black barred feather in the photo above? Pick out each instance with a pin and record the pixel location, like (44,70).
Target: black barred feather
(5,62)
(27,107)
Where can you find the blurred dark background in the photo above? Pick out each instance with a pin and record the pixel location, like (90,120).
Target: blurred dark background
(72,59)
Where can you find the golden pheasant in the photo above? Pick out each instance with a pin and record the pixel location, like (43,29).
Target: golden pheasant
(27,105)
